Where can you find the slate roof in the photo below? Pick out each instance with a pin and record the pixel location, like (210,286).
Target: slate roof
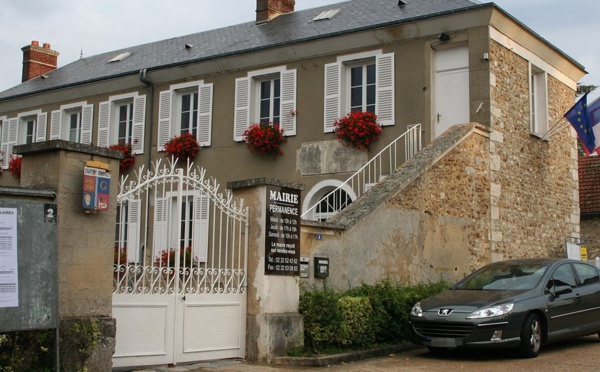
(288,28)
(589,185)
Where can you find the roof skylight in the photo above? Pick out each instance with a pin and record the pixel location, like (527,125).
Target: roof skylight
(328,14)
(119,57)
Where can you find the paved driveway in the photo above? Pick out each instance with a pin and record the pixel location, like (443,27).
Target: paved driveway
(579,355)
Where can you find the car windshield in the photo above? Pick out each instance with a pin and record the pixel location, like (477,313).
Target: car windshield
(504,276)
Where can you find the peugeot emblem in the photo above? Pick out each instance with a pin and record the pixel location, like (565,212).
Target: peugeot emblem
(445,312)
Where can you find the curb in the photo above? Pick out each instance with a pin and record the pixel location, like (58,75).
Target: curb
(324,361)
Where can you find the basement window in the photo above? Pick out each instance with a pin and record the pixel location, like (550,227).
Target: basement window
(119,57)
(328,14)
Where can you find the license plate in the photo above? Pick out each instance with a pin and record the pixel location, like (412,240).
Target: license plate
(445,342)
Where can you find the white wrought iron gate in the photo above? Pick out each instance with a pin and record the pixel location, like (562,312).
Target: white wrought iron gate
(180,268)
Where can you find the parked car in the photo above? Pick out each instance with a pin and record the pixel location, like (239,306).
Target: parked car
(519,304)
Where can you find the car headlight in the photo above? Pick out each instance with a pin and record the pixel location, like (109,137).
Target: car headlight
(491,312)
(416,310)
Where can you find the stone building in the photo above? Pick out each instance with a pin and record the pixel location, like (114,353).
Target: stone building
(589,203)
(464,92)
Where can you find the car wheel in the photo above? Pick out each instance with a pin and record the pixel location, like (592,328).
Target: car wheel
(531,337)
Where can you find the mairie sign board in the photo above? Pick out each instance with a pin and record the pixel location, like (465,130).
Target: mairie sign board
(96,189)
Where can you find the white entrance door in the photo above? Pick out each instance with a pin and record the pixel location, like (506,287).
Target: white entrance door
(451,89)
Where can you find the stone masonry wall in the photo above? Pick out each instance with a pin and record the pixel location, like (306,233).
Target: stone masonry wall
(534,203)
(457,187)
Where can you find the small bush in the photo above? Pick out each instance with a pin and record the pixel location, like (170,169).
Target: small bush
(362,317)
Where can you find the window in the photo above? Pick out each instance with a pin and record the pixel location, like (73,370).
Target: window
(121,119)
(538,92)
(27,127)
(127,233)
(270,99)
(72,122)
(562,276)
(185,108)
(192,223)
(326,199)
(266,96)
(587,274)
(364,82)
(362,88)
(31,127)
(74,119)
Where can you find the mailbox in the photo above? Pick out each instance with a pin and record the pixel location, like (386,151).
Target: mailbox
(321,267)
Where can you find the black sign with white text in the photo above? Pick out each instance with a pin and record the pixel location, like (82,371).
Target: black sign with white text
(282,245)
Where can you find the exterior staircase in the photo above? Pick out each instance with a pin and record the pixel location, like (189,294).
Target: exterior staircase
(402,149)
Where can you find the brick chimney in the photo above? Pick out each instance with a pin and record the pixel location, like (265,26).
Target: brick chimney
(38,60)
(266,10)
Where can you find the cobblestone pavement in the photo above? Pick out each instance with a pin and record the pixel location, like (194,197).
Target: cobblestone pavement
(581,355)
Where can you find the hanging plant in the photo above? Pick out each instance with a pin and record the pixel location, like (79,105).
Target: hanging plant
(182,147)
(128,157)
(264,139)
(14,166)
(358,129)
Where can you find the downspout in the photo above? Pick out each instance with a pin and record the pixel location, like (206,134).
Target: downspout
(149,111)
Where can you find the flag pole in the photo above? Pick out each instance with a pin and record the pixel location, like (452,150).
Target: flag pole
(558,126)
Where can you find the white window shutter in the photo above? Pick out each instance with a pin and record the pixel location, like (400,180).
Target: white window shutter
(133,230)
(205,102)
(333,86)
(242,108)
(385,89)
(288,102)
(161,222)
(42,123)
(9,139)
(104,124)
(55,124)
(87,114)
(201,213)
(139,122)
(164,119)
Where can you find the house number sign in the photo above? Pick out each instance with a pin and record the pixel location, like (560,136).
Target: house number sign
(282,246)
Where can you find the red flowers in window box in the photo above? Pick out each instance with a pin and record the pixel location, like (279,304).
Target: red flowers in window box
(182,147)
(128,157)
(264,139)
(358,129)
(166,257)
(14,166)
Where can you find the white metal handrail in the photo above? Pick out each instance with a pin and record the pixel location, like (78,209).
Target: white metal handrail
(381,165)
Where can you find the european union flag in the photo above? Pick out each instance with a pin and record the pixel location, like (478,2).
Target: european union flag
(579,118)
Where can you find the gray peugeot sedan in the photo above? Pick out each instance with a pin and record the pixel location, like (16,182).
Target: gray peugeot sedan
(520,304)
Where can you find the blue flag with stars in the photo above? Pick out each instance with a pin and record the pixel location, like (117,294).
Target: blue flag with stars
(579,118)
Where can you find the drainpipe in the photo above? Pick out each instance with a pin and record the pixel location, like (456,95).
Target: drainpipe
(149,111)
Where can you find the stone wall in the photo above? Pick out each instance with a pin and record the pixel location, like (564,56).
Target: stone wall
(590,229)
(534,182)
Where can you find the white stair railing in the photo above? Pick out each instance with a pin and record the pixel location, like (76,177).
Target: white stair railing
(381,165)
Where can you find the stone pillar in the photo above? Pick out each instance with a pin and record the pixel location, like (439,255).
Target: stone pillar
(273,322)
(85,247)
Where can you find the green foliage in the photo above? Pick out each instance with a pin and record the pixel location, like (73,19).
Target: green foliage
(28,351)
(362,317)
(79,338)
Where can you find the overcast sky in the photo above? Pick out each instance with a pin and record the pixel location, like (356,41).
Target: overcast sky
(98,26)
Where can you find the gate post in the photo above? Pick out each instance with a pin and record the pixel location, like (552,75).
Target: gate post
(274,324)
(85,248)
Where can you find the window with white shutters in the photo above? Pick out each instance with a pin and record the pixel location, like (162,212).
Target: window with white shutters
(72,122)
(122,120)
(265,96)
(363,82)
(185,108)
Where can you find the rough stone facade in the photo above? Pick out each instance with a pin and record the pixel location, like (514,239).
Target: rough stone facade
(534,181)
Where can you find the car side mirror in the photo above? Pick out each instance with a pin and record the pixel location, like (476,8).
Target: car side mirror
(561,290)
